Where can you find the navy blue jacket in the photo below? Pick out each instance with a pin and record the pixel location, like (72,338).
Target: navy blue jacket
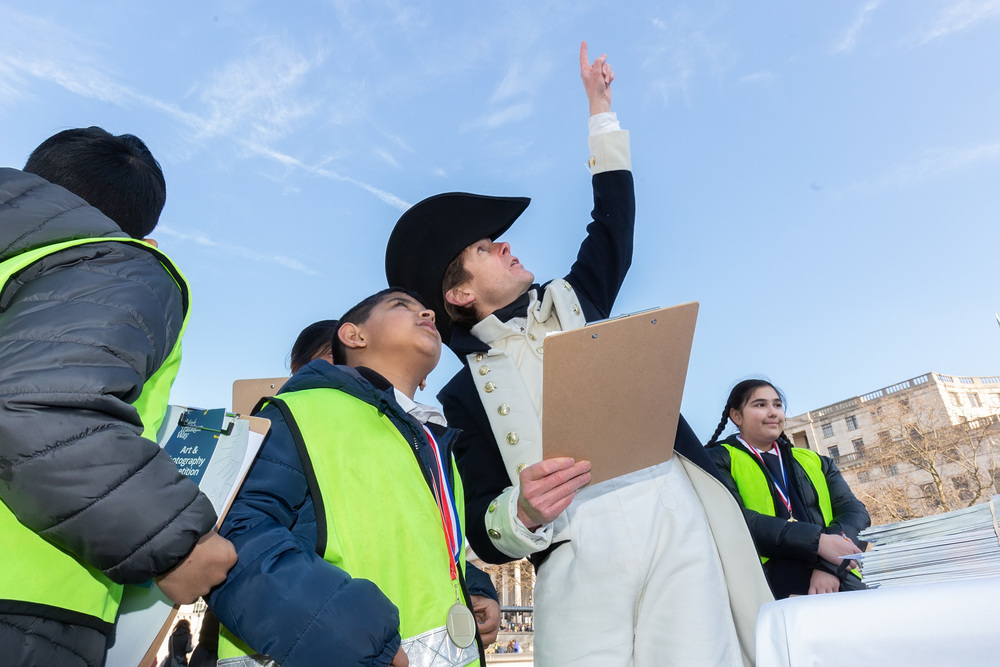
(596,276)
(282,597)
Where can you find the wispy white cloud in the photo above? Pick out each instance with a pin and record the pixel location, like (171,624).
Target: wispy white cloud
(495,119)
(252,101)
(511,99)
(260,94)
(287,160)
(388,158)
(960,16)
(11,85)
(762,76)
(681,49)
(933,163)
(521,77)
(235,250)
(850,38)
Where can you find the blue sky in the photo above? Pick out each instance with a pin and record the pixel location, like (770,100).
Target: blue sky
(822,177)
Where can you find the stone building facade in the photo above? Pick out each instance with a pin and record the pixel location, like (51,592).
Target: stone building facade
(927,444)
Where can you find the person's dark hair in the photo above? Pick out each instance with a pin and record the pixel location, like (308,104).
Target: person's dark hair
(456,274)
(314,341)
(359,314)
(738,397)
(115,174)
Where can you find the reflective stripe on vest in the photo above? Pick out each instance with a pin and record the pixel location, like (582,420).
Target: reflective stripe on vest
(752,483)
(34,571)
(376,509)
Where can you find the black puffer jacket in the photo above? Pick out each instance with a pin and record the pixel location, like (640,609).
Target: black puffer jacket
(80,332)
(782,540)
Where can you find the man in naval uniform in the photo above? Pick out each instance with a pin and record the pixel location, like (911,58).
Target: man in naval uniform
(654,567)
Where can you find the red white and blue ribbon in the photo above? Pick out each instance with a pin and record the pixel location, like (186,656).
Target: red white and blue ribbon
(781,488)
(446,504)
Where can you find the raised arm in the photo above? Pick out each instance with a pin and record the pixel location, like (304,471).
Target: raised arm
(606,253)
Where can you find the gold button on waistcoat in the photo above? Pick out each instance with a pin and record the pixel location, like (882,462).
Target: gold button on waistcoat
(576,309)
(489,387)
(483,370)
(495,534)
(493,507)
(531,336)
(503,409)
(512,438)
(540,349)
(566,286)
(479,356)
(521,467)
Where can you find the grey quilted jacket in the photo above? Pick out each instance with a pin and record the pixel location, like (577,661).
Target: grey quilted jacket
(80,332)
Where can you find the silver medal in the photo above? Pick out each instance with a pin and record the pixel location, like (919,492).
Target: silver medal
(461,625)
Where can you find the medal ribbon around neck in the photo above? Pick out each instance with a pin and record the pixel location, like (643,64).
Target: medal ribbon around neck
(780,487)
(446,504)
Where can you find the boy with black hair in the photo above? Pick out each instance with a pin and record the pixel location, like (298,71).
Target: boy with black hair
(116,174)
(90,325)
(629,571)
(349,525)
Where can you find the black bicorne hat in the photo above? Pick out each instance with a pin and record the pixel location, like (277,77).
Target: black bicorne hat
(433,232)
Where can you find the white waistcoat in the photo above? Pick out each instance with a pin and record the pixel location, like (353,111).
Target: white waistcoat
(508,378)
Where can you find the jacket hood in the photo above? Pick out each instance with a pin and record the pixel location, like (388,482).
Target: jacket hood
(35,213)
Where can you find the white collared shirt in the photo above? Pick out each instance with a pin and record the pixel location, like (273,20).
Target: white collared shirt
(420,411)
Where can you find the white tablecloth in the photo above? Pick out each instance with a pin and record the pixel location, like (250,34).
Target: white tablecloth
(954,623)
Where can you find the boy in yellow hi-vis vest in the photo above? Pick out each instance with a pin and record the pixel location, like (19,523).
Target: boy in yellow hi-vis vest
(349,525)
(90,324)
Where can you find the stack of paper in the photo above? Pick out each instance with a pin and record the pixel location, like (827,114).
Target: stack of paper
(963,544)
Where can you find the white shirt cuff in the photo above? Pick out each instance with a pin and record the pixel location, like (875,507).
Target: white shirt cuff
(600,123)
(508,534)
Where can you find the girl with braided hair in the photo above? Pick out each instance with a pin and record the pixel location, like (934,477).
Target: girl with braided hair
(800,511)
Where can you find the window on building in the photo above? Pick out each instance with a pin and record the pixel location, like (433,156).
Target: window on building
(827,430)
(859,446)
(884,437)
(852,423)
(995,400)
(955,398)
(864,476)
(890,470)
(833,452)
(961,483)
(974,400)
(930,494)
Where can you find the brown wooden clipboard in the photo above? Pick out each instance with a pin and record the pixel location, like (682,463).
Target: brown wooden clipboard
(613,390)
(246,393)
